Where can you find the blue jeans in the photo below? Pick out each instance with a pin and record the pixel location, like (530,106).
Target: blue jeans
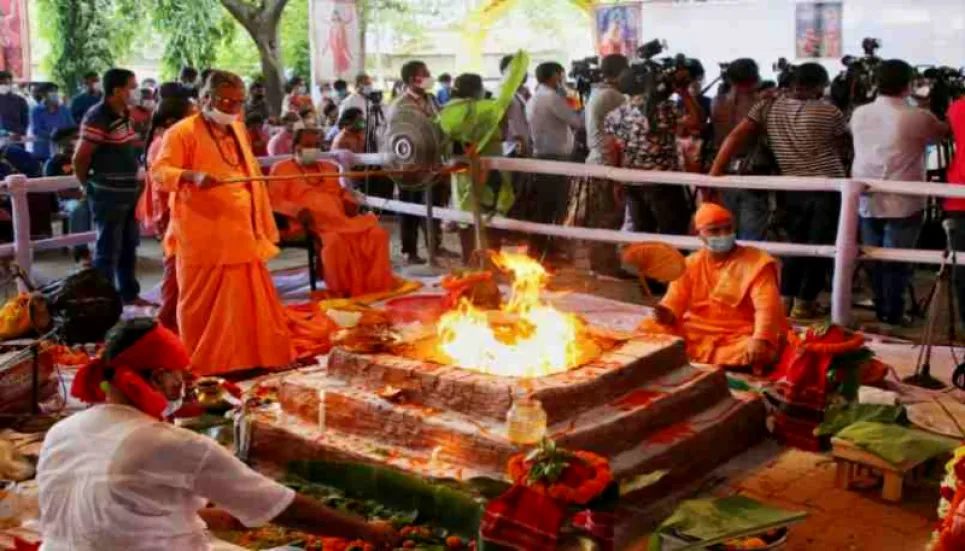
(115,251)
(751,209)
(890,279)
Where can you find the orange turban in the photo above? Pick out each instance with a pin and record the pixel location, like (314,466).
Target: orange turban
(712,214)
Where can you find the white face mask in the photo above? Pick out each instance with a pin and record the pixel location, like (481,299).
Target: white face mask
(367,90)
(308,155)
(219,117)
(721,243)
(300,90)
(149,104)
(134,97)
(96,87)
(53,98)
(421,83)
(923,91)
(4,89)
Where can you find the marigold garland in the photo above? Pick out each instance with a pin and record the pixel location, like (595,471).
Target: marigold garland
(599,478)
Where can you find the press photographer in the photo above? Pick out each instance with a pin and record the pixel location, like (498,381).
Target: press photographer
(598,203)
(857,84)
(646,130)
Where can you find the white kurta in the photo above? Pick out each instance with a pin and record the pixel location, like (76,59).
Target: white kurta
(112,477)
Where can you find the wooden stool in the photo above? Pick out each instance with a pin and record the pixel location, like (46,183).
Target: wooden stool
(850,460)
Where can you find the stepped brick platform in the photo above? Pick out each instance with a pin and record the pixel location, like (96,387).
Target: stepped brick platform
(641,404)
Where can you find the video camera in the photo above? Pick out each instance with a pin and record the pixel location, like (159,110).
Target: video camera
(945,85)
(658,78)
(586,72)
(785,72)
(375,97)
(856,85)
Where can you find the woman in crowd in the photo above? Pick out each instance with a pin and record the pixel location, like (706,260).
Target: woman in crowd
(351,132)
(154,210)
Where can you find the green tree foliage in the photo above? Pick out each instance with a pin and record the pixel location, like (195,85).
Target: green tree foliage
(84,35)
(239,54)
(192,32)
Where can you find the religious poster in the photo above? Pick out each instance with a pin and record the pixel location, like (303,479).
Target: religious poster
(336,40)
(818,30)
(14,39)
(617,29)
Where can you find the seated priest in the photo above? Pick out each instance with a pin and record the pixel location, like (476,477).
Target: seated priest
(116,476)
(727,305)
(355,248)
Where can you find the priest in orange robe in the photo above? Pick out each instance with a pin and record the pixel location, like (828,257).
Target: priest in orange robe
(355,248)
(222,234)
(727,305)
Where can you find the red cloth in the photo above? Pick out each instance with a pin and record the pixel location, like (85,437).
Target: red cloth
(523,519)
(159,349)
(21,545)
(598,524)
(956,170)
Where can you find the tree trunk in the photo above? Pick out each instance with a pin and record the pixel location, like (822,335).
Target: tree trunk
(262,25)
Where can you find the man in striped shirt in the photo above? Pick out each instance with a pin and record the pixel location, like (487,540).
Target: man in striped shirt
(106,165)
(808,136)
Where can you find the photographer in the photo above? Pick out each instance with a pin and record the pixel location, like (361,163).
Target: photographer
(955,208)
(889,144)
(750,207)
(594,202)
(646,131)
(808,137)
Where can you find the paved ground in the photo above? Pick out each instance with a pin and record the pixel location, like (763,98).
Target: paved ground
(839,520)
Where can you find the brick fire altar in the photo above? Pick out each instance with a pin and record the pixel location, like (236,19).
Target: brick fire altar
(641,404)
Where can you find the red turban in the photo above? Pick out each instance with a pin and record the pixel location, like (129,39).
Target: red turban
(158,349)
(712,214)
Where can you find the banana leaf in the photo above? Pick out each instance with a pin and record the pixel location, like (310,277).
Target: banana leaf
(457,511)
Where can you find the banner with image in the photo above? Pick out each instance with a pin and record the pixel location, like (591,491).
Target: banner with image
(617,29)
(14,39)
(818,30)
(336,40)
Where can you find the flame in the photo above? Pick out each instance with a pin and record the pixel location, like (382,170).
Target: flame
(528,338)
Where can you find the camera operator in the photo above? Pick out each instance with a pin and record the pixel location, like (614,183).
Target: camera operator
(645,131)
(750,207)
(808,137)
(552,123)
(889,144)
(955,208)
(595,202)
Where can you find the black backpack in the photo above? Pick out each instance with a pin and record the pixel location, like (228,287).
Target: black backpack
(85,305)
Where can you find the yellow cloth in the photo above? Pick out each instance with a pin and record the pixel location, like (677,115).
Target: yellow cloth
(355,251)
(721,305)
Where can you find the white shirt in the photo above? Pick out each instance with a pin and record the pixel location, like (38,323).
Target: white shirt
(517,126)
(889,144)
(552,123)
(112,477)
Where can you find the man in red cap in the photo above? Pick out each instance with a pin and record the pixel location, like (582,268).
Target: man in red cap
(115,476)
(727,305)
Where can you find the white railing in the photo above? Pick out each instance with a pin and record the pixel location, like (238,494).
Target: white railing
(846,251)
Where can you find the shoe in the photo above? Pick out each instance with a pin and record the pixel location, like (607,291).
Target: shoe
(805,310)
(414,260)
(443,252)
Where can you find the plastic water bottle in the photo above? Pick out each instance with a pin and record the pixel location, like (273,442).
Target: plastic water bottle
(526,420)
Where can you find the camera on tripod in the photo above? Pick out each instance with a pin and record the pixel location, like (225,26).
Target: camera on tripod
(586,72)
(658,78)
(375,97)
(857,84)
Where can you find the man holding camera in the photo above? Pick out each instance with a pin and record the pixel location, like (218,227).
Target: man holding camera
(750,207)
(645,132)
(595,202)
(890,137)
(809,138)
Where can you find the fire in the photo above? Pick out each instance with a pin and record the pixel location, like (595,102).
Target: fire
(527,338)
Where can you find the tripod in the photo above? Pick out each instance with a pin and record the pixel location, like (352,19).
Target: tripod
(942,290)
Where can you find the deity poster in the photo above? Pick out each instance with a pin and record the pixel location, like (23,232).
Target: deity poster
(14,39)
(617,29)
(818,30)
(336,40)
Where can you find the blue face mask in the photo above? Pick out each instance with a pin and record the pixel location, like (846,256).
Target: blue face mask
(721,243)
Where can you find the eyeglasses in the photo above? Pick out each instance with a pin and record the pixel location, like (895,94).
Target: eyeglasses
(227,105)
